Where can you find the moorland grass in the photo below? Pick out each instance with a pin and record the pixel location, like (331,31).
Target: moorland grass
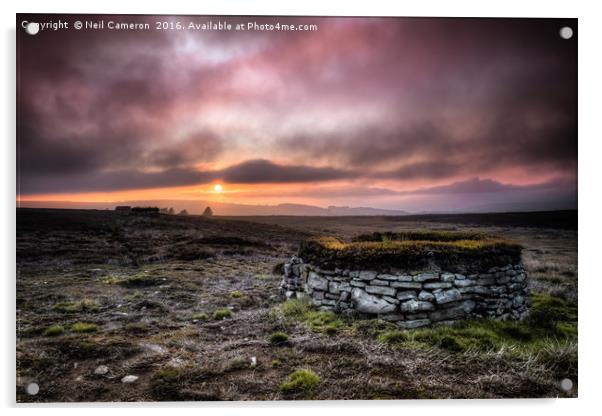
(200,316)
(222,313)
(54,330)
(300,310)
(392,336)
(83,327)
(278,338)
(84,305)
(302,380)
(552,320)
(430,235)
(411,250)
(551,326)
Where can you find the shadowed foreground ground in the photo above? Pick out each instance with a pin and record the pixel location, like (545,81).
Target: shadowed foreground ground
(185,303)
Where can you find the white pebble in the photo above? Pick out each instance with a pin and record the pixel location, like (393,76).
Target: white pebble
(129,379)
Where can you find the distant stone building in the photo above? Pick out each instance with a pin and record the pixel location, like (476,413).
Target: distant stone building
(150,211)
(123,208)
(208,212)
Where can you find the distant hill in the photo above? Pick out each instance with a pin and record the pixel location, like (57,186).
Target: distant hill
(222,208)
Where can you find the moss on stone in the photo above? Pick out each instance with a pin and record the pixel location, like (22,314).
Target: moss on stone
(411,250)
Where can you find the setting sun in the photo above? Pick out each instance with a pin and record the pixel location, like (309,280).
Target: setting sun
(218,188)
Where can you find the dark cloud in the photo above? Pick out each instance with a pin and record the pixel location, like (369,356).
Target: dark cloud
(264,171)
(119,180)
(379,100)
(479,95)
(248,172)
(480,186)
(197,147)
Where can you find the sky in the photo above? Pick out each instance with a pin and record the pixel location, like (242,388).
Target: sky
(415,114)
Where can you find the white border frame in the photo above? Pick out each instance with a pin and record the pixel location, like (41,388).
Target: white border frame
(590,68)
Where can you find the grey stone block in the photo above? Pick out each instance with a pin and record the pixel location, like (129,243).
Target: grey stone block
(337,287)
(316,282)
(381,290)
(423,277)
(406,295)
(400,278)
(406,285)
(366,303)
(447,277)
(418,323)
(464,283)
(391,300)
(392,317)
(447,296)
(367,275)
(414,305)
(437,285)
(426,295)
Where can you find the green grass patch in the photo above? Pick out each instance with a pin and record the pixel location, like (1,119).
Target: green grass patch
(236,294)
(295,308)
(303,380)
(223,313)
(372,328)
(393,337)
(324,321)
(552,321)
(54,330)
(411,250)
(292,310)
(200,316)
(83,327)
(547,311)
(136,295)
(300,311)
(141,279)
(278,338)
(84,305)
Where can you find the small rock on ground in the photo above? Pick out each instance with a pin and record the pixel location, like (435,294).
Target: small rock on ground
(101,370)
(129,379)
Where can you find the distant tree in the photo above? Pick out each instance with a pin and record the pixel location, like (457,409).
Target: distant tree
(171,211)
(164,211)
(208,212)
(183,212)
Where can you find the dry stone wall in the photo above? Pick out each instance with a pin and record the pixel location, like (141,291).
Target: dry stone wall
(412,299)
